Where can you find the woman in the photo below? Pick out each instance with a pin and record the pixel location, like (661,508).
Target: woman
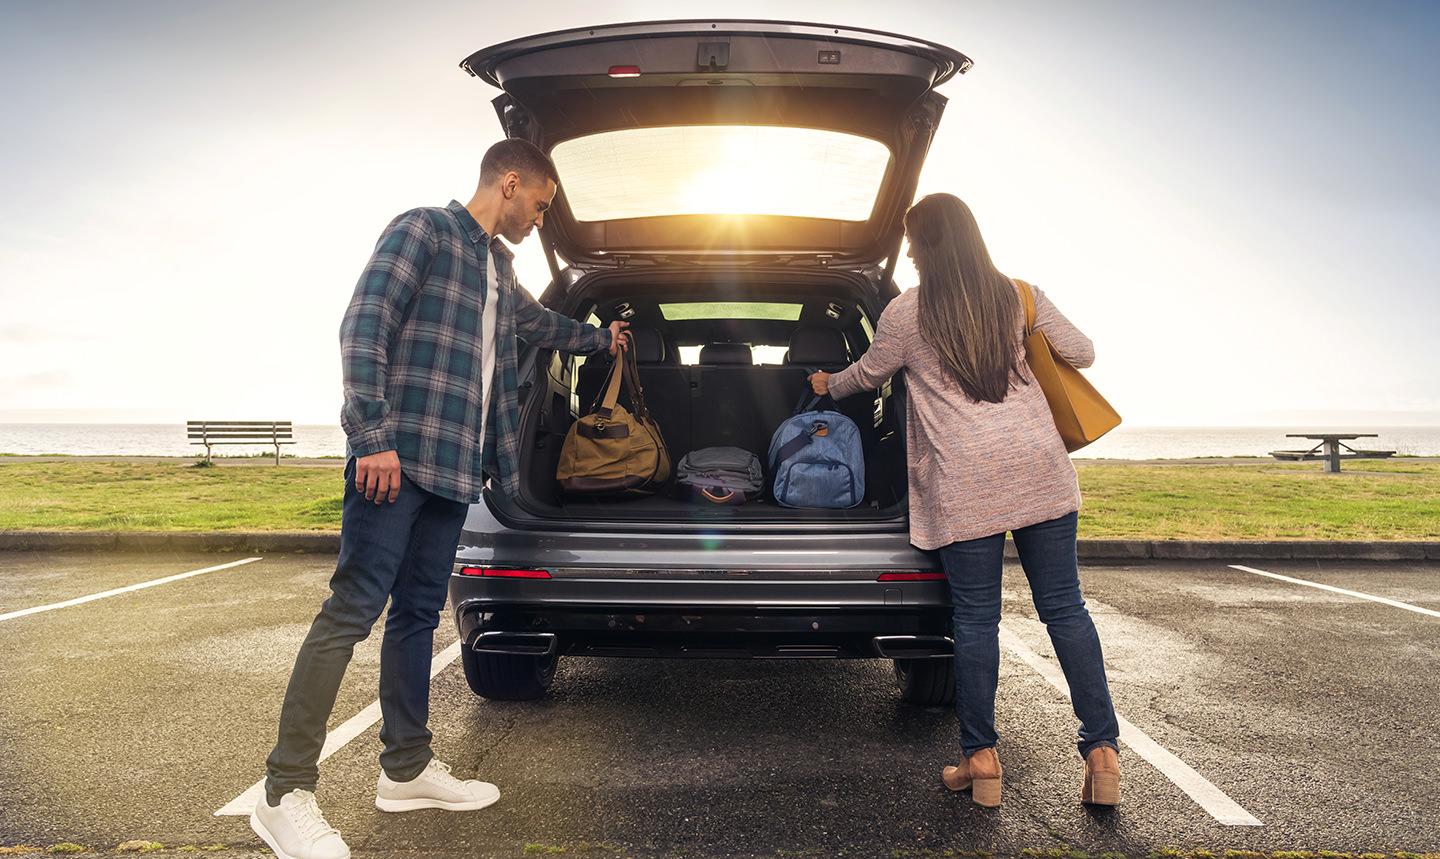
(985,458)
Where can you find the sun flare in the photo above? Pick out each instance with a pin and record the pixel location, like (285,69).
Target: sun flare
(708,170)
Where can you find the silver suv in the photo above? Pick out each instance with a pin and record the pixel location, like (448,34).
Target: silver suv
(734,191)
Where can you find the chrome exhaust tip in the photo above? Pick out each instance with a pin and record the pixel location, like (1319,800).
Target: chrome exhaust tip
(515,643)
(913,646)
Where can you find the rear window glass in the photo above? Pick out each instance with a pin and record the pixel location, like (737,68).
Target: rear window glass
(690,355)
(721,170)
(731,310)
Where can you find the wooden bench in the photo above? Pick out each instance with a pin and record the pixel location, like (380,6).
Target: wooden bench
(239,432)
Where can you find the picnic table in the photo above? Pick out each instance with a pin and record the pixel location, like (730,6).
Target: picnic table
(1328,447)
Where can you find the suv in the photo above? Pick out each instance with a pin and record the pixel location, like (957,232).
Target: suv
(734,190)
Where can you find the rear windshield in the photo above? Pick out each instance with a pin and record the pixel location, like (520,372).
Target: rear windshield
(731,310)
(720,170)
(707,310)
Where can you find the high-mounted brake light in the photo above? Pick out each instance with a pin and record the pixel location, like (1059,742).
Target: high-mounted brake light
(504,574)
(624,71)
(910,577)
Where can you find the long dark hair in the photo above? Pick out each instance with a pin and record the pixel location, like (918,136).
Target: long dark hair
(969,312)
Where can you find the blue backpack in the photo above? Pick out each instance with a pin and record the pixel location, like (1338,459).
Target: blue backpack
(816,458)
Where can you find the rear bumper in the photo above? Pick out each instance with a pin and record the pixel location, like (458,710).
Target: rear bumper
(750,592)
(703,619)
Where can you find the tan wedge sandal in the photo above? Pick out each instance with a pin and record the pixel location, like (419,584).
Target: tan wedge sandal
(1102,777)
(980,773)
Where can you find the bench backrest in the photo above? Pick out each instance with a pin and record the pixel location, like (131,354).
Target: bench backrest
(238,430)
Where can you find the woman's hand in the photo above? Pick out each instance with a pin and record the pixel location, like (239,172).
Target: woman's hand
(820,381)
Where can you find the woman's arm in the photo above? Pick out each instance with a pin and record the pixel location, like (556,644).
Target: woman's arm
(1070,341)
(884,358)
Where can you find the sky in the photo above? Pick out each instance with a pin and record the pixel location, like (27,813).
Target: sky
(1238,201)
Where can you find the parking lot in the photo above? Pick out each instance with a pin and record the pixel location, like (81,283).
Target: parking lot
(1261,713)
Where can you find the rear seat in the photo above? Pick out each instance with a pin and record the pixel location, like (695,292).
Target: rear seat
(817,348)
(665,384)
(726,400)
(736,403)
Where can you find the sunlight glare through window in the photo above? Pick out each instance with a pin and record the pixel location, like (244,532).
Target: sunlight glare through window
(706,170)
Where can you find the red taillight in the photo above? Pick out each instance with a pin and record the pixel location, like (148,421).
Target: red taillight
(910,577)
(504,574)
(624,71)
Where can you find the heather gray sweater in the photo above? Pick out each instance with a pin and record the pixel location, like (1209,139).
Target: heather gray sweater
(975,469)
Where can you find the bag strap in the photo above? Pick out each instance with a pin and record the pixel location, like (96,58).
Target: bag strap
(801,406)
(605,406)
(1027,301)
(623,371)
(799,442)
(631,372)
(716,496)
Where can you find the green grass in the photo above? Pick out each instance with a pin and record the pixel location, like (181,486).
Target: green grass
(1392,500)
(122,496)
(1376,501)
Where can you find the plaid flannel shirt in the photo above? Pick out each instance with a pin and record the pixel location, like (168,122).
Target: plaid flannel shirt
(411,353)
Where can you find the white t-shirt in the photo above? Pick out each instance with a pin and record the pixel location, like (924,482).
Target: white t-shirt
(488,312)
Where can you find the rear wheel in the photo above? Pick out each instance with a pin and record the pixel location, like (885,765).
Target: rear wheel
(506,676)
(926,682)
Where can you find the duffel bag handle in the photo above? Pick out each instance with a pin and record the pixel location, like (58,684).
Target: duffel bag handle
(809,393)
(604,407)
(623,371)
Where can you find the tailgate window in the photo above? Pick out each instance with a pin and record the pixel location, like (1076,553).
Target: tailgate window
(713,170)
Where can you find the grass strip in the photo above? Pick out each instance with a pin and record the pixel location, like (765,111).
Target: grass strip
(126,496)
(1390,501)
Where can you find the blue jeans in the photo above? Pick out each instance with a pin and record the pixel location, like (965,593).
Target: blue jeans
(1047,554)
(402,552)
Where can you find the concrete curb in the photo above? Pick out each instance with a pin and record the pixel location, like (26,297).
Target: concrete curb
(328,542)
(323,542)
(1257,550)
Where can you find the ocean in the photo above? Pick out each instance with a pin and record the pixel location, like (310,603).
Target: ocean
(153,440)
(319,440)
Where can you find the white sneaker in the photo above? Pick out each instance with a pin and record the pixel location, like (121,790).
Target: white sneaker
(295,829)
(434,788)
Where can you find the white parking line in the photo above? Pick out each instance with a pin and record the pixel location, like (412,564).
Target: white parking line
(1357,594)
(242,805)
(1209,797)
(125,590)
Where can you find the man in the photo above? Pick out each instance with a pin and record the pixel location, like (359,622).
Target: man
(429,351)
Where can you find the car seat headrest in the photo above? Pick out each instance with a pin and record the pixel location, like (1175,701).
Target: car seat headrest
(726,353)
(649,345)
(817,345)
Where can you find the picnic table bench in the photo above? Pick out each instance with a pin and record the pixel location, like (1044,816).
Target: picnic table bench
(1328,447)
(239,432)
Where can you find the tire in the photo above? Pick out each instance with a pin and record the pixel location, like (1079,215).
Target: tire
(926,682)
(508,677)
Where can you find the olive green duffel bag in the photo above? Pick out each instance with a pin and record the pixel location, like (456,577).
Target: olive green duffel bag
(612,451)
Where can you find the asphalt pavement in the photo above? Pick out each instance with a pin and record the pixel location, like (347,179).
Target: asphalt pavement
(1302,694)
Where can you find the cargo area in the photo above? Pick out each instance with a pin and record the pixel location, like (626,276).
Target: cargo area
(727,382)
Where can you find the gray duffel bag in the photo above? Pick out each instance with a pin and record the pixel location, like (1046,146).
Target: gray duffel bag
(720,475)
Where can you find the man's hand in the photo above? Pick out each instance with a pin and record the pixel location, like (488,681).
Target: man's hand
(378,476)
(616,341)
(820,382)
